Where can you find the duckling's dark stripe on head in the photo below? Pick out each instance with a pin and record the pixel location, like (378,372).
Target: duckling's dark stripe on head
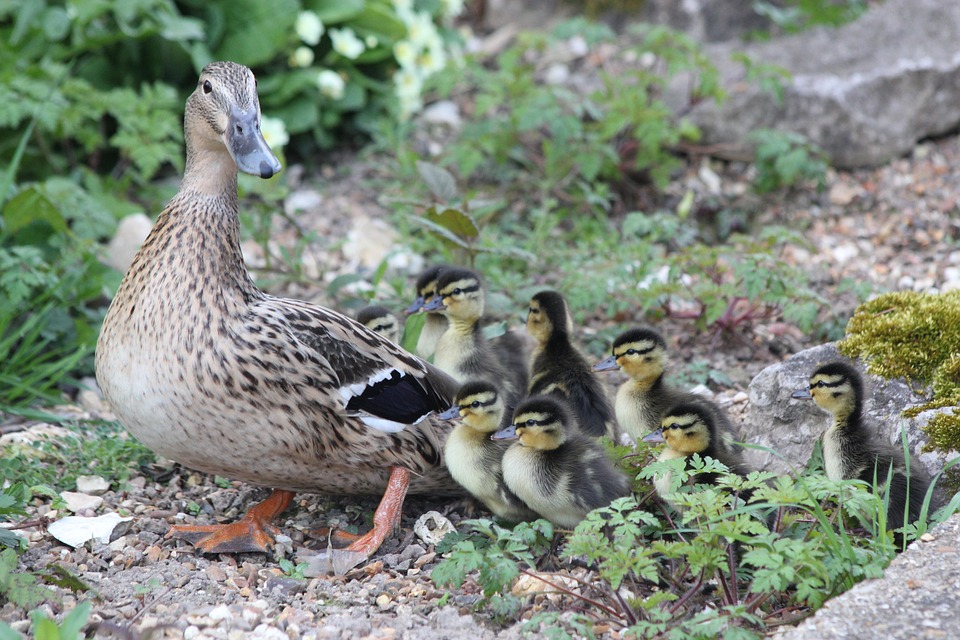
(467,289)
(467,403)
(820,383)
(623,349)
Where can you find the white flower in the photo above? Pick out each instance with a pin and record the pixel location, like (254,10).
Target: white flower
(421,30)
(309,27)
(371,41)
(331,84)
(346,43)
(408,83)
(405,53)
(301,57)
(452,8)
(274,132)
(404,9)
(433,58)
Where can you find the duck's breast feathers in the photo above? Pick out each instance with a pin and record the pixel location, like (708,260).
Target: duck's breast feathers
(374,378)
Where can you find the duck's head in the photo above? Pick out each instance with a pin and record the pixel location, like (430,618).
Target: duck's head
(548,314)
(380,319)
(479,404)
(426,287)
(540,422)
(687,428)
(459,295)
(640,353)
(223,114)
(836,387)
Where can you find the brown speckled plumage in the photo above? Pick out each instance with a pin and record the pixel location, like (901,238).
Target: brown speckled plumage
(207,370)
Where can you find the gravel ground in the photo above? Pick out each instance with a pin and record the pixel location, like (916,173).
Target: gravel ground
(895,227)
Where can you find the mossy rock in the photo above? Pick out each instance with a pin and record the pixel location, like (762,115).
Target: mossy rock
(914,336)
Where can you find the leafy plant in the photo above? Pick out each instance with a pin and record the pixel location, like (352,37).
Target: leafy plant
(70,628)
(798,15)
(19,587)
(774,547)
(13,502)
(786,159)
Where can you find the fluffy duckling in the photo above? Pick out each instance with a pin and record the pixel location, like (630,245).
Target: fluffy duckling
(559,368)
(851,448)
(473,458)
(695,427)
(556,470)
(641,401)
(434,323)
(380,319)
(205,369)
(462,350)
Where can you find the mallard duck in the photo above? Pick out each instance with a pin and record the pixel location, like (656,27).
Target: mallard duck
(556,470)
(695,427)
(434,323)
(473,458)
(559,368)
(462,350)
(209,371)
(641,353)
(851,448)
(380,319)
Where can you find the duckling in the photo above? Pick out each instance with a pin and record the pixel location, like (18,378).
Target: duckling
(695,427)
(380,319)
(462,350)
(474,460)
(556,470)
(209,371)
(851,448)
(641,353)
(559,368)
(434,323)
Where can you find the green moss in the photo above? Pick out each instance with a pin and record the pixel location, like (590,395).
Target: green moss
(914,336)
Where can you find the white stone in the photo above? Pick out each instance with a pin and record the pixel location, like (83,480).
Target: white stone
(445,112)
(709,178)
(220,613)
(557,73)
(265,632)
(131,232)
(92,485)
(77,501)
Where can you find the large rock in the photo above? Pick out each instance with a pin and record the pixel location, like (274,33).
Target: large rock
(790,427)
(865,92)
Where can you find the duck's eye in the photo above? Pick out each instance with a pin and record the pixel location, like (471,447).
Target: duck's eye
(207,86)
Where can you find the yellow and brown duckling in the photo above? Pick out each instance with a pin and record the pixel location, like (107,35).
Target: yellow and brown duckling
(434,323)
(641,353)
(556,470)
(559,368)
(851,448)
(381,320)
(206,369)
(473,458)
(693,427)
(463,351)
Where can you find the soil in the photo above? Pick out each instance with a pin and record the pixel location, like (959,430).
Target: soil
(895,227)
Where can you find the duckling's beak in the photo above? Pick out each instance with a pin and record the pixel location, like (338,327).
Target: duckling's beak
(607,364)
(417,304)
(656,436)
(434,304)
(507,433)
(803,394)
(451,413)
(247,146)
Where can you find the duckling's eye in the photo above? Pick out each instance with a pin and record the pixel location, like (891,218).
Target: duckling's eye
(630,352)
(456,291)
(475,404)
(531,422)
(207,86)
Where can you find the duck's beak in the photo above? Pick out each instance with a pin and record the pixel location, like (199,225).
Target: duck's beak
(247,146)
(803,394)
(434,304)
(656,436)
(607,364)
(413,308)
(507,433)
(451,413)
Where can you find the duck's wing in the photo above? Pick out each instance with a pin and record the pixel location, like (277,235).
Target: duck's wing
(377,381)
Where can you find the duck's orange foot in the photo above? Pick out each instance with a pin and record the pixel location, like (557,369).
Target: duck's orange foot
(386,519)
(253,533)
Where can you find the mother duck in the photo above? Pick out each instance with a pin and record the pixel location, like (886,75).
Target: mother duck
(209,371)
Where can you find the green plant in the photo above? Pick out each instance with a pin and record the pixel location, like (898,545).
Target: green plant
(797,15)
(19,587)
(293,570)
(786,159)
(101,448)
(13,502)
(70,628)
(774,548)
